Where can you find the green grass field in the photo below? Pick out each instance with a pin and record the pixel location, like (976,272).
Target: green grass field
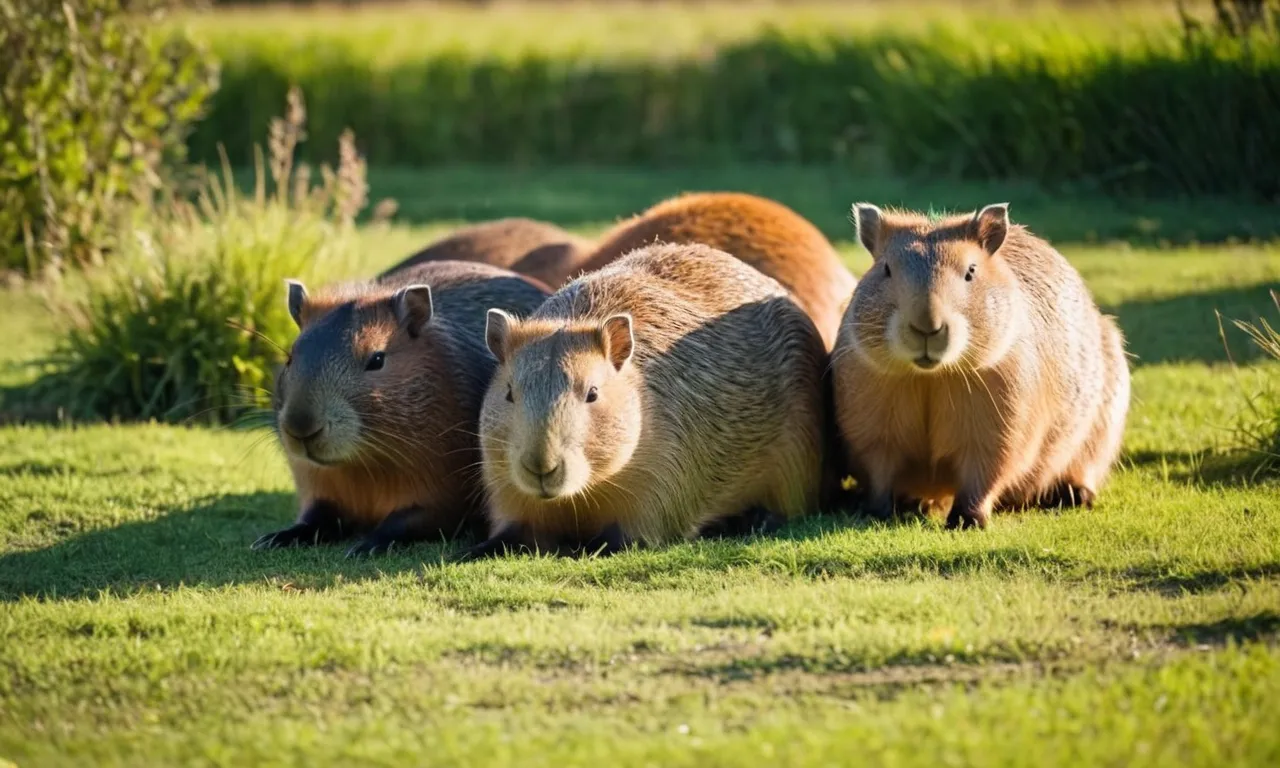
(136,627)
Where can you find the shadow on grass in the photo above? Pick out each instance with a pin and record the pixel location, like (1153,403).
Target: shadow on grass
(56,469)
(912,669)
(206,546)
(1184,328)
(1237,469)
(1261,626)
(18,403)
(1153,579)
(36,402)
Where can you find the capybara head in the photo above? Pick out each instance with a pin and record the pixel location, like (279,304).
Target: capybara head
(344,386)
(938,295)
(564,409)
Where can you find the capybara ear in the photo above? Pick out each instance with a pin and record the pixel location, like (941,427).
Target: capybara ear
(617,340)
(413,308)
(497,332)
(991,225)
(868,220)
(296,295)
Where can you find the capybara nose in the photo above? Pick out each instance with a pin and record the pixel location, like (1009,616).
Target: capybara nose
(547,472)
(939,328)
(543,470)
(301,426)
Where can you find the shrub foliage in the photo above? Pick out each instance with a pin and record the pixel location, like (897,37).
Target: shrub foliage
(94,105)
(188,321)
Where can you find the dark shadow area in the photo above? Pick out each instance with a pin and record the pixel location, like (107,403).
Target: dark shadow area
(19,402)
(16,407)
(665,566)
(1237,469)
(1154,579)
(207,546)
(36,402)
(62,468)
(1184,328)
(1262,626)
(884,679)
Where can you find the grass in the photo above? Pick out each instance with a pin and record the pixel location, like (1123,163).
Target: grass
(137,628)
(1113,96)
(586,197)
(1259,426)
(399,32)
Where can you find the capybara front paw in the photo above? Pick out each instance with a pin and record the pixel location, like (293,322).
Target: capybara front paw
(370,546)
(1065,494)
(609,541)
(299,535)
(966,519)
(753,521)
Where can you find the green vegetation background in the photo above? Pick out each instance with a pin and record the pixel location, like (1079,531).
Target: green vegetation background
(1119,97)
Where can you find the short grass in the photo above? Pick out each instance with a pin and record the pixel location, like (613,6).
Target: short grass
(137,628)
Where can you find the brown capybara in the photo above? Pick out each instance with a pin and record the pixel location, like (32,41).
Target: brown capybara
(540,250)
(669,390)
(377,405)
(974,365)
(763,233)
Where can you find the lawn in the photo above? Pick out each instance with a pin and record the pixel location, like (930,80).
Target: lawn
(136,626)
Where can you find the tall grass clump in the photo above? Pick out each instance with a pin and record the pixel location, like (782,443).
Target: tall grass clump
(1259,425)
(94,108)
(189,320)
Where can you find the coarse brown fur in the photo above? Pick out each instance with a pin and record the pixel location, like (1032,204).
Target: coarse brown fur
(974,365)
(540,250)
(377,407)
(765,234)
(671,389)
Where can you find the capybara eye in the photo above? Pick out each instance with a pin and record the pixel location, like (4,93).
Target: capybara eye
(968,276)
(887,273)
(376,361)
(592,395)
(510,399)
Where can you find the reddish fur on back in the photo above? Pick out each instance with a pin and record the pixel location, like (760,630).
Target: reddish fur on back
(763,233)
(534,248)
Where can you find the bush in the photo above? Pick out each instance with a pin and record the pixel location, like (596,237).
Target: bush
(1160,112)
(188,321)
(94,106)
